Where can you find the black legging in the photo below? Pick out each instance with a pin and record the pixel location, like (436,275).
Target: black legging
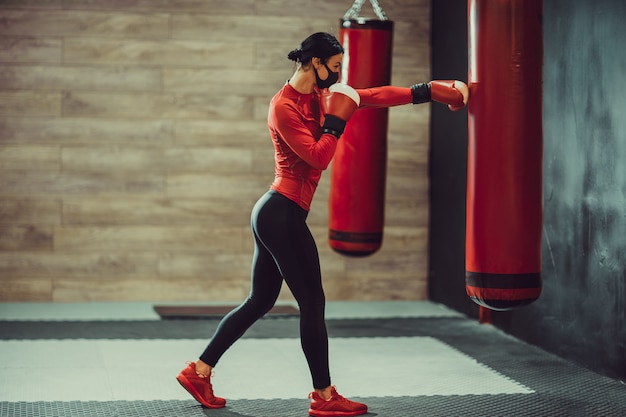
(284,249)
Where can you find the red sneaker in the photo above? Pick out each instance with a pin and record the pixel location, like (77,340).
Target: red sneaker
(200,388)
(335,406)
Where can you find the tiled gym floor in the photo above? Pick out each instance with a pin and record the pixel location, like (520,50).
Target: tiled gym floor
(403,359)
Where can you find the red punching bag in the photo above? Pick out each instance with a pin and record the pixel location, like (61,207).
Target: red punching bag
(357,190)
(504,173)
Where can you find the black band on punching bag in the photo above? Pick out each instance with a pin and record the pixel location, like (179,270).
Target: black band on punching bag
(502,292)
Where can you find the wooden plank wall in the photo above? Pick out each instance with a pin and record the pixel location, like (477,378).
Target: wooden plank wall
(133,144)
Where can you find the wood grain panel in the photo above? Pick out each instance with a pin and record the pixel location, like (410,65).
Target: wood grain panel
(28,49)
(204,288)
(276,56)
(16,290)
(58,78)
(118,158)
(179,6)
(402,286)
(30,210)
(147,238)
(148,211)
(408,31)
(155,105)
(411,112)
(29,265)
(189,159)
(407,212)
(208,159)
(32,4)
(26,237)
(84,23)
(245,82)
(30,157)
(413,56)
(263,162)
(86,289)
(247,27)
(409,123)
(66,130)
(246,189)
(407,159)
(19,103)
(190,265)
(213,52)
(407,186)
(240,133)
(261,106)
(42,182)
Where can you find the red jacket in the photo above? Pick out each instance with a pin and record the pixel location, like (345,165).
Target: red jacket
(301,151)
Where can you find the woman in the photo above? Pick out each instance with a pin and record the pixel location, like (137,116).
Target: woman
(284,247)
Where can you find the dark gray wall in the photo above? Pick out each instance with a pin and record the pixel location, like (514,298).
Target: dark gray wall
(448,162)
(581,313)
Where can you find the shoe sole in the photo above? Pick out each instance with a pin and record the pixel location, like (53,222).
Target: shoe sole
(196,395)
(336,413)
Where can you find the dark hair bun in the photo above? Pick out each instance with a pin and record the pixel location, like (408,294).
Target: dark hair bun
(295,55)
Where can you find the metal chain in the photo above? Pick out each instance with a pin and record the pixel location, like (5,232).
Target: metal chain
(355,10)
(378,10)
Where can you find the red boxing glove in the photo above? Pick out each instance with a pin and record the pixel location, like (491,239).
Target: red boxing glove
(454,93)
(338,107)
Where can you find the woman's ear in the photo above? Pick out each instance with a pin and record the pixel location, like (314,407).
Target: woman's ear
(316,62)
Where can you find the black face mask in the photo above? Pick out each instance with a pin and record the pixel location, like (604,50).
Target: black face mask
(332,78)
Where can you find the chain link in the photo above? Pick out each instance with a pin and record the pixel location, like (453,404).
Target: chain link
(354,11)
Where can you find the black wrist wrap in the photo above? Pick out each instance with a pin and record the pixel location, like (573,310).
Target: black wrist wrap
(421,93)
(333,125)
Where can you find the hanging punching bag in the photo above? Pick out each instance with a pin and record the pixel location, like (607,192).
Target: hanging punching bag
(504,173)
(357,191)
